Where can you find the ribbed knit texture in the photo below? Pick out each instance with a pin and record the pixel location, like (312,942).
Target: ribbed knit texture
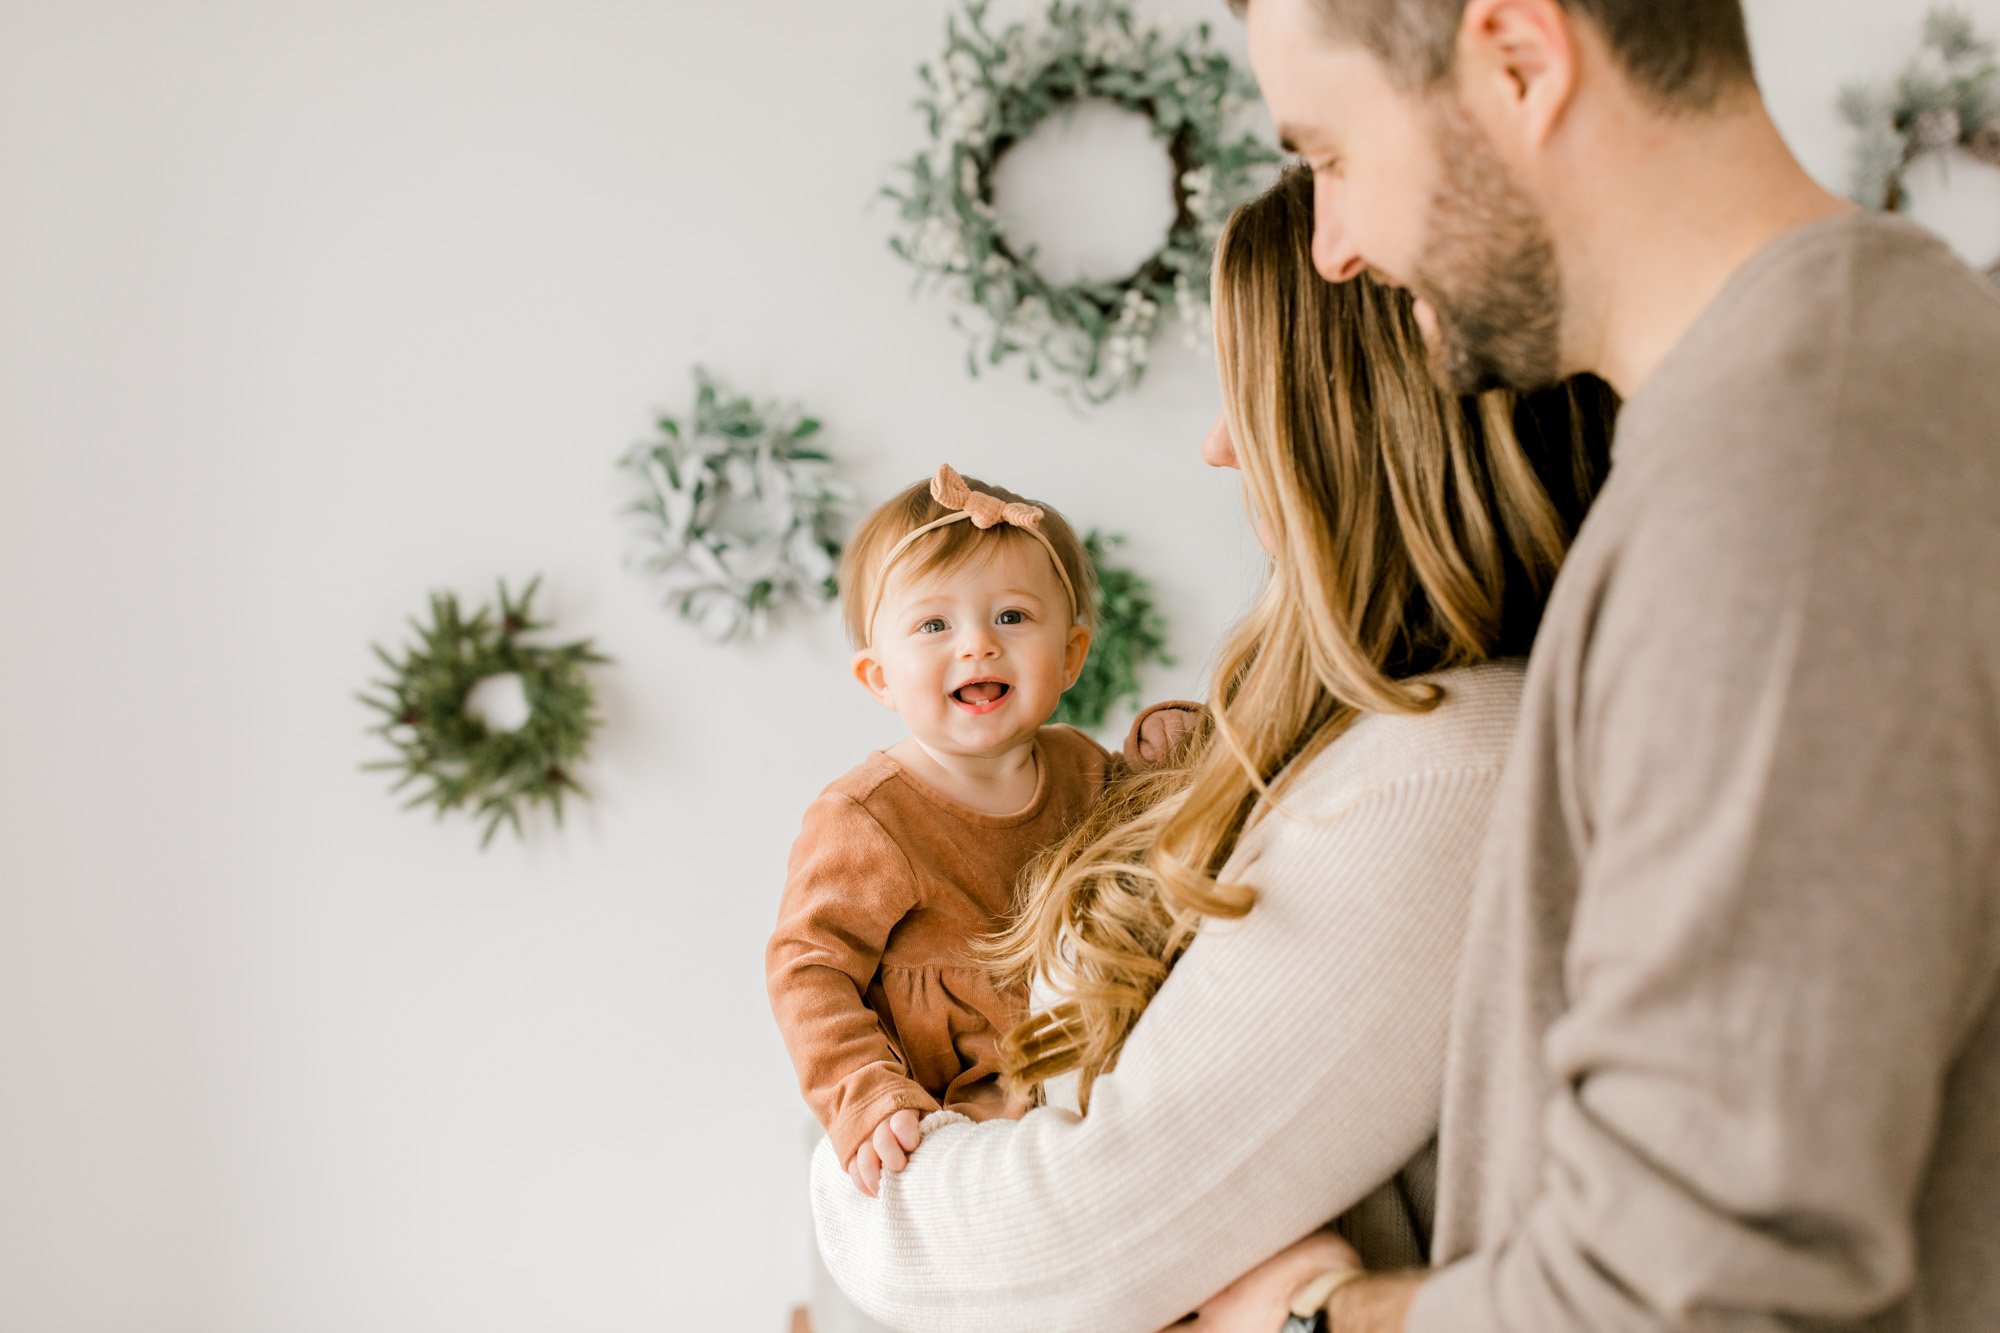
(1289,1069)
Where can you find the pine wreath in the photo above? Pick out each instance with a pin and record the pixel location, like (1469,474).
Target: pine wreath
(987,91)
(1948,96)
(1131,633)
(467,762)
(739,513)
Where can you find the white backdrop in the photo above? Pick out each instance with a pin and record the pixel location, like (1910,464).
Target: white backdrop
(308,308)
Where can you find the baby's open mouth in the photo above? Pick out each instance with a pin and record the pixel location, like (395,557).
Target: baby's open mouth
(980,696)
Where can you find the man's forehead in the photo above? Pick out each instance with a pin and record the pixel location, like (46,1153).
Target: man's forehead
(1317,120)
(1312,84)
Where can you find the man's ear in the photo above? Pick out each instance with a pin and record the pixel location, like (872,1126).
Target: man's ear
(1517,69)
(1074,653)
(873,678)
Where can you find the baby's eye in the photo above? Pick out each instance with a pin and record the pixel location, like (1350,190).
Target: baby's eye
(935,625)
(1013,617)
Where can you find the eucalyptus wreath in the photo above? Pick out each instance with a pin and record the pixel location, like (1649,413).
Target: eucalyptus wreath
(738,513)
(466,761)
(1131,633)
(986,91)
(1947,97)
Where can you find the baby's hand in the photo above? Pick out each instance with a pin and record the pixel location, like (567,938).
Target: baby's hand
(1160,733)
(887,1149)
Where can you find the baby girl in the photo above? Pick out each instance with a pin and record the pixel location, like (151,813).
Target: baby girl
(970,610)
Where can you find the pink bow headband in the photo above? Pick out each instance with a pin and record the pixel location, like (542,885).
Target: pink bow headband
(982,511)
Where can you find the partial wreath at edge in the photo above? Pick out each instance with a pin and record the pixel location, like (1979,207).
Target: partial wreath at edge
(1947,96)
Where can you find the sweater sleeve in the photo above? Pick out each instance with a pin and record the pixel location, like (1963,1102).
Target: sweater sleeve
(848,885)
(1780,940)
(1289,1065)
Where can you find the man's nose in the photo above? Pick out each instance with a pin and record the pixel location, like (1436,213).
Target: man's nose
(1333,251)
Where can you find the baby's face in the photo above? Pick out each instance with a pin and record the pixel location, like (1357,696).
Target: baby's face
(975,659)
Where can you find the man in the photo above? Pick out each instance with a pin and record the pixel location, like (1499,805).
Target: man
(1727,1051)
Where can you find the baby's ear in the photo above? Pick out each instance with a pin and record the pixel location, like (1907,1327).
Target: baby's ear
(1074,653)
(873,678)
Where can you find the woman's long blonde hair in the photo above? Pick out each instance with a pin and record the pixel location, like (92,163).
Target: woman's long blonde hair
(1413,531)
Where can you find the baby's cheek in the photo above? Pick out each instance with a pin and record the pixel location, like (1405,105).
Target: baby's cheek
(1046,665)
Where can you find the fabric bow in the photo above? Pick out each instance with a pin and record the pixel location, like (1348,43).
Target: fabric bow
(950,490)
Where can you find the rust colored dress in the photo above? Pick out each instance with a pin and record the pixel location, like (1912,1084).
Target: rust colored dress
(888,883)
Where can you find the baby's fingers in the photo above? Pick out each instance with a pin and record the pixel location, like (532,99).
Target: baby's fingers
(888,1148)
(904,1123)
(867,1170)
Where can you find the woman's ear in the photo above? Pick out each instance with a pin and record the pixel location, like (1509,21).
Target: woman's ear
(868,670)
(1074,653)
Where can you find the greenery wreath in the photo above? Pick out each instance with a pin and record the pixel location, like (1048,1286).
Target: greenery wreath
(985,92)
(469,759)
(739,513)
(1130,633)
(1947,97)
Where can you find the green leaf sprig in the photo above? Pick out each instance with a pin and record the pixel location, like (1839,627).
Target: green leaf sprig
(1131,633)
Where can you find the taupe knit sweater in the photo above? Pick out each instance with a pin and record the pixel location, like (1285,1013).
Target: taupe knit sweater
(1728,1053)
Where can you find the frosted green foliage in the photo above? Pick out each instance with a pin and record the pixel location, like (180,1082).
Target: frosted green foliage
(1947,97)
(737,514)
(1131,633)
(986,91)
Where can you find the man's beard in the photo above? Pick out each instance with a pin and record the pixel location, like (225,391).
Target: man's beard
(1488,271)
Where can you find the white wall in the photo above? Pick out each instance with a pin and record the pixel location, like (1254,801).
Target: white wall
(304,310)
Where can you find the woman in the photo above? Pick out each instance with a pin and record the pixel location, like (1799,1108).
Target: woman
(1289,920)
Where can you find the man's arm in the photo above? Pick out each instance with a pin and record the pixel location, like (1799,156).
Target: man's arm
(1780,939)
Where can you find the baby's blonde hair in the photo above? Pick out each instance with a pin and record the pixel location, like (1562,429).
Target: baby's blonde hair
(863,570)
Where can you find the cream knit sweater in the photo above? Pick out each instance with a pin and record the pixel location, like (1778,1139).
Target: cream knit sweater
(1287,1071)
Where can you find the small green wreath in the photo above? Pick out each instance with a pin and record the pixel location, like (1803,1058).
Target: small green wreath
(1130,633)
(987,91)
(1948,96)
(467,760)
(739,514)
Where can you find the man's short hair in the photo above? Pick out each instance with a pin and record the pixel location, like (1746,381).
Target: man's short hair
(1686,55)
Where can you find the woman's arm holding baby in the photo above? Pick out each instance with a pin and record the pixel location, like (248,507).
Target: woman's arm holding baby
(1289,1065)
